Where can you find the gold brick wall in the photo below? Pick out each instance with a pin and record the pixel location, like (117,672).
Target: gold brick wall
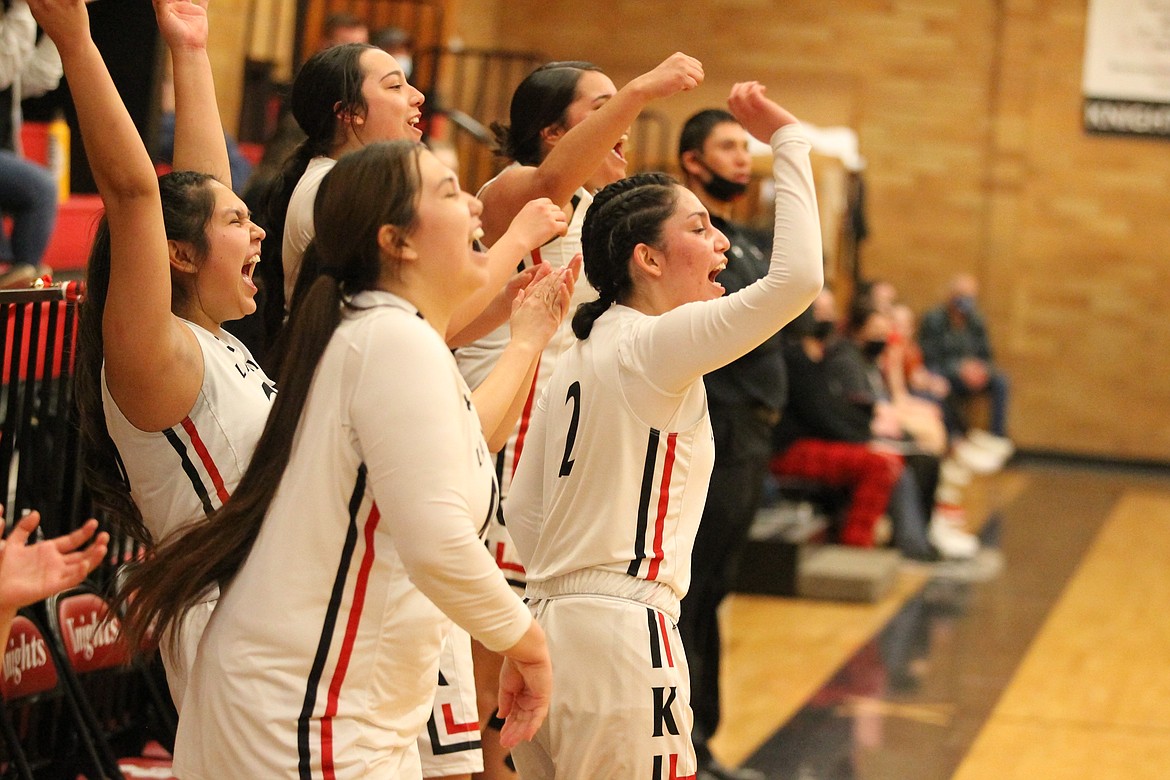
(968,113)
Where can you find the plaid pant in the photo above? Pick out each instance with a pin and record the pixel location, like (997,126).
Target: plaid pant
(869,475)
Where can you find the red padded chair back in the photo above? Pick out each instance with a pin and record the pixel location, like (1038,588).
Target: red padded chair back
(91,641)
(28,666)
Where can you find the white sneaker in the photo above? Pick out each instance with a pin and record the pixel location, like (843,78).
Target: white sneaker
(952,472)
(949,539)
(1000,445)
(979,460)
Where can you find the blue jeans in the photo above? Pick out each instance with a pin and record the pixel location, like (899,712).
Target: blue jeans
(28,193)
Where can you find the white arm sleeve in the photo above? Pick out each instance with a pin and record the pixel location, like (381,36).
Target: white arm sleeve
(676,348)
(18,35)
(414,441)
(43,71)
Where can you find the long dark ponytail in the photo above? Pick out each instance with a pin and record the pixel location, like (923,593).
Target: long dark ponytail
(623,214)
(328,86)
(211,553)
(187,206)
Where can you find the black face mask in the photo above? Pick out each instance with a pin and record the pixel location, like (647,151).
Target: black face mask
(823,329)
(873,348)
(721,189)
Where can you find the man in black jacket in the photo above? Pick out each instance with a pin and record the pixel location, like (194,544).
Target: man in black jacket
(745,399)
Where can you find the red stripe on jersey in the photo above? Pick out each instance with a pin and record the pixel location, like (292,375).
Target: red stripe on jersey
(501,563)
(536,258)
(346,652)
(663,505)
(665,639)
(525,420)
(457,728)
(674,768)
(205,457)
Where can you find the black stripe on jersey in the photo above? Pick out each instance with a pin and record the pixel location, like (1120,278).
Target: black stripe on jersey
(303,751)
(500,456)
(655,639)
(189,469)
(644,502)
(657,768)
(437,746)
(493,510)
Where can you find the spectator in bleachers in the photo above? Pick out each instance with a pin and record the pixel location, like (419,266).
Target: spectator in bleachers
(955,345)
(904,366)
(28,192)
(744,399)
(911,427)
(398,44)
(825,431)
(32,572)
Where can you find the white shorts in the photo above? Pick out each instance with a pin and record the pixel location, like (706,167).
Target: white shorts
(621,694)
(449,745)
(178,656)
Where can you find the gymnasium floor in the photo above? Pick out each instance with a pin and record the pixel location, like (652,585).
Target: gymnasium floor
(1056,666)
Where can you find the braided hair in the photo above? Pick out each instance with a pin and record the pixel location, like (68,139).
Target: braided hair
(624,214)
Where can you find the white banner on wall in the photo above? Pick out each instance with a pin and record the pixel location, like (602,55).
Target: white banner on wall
(1126,79)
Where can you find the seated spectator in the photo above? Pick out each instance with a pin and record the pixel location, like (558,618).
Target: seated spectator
(398,44)
(904,367)
(955,345)
(912,427)
(824,433)
(28,193)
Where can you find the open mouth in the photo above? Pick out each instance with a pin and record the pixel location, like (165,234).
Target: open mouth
(248,269)
(413,122)
(617,149)
(716,271)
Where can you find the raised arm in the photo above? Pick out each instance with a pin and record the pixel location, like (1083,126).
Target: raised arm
(536,223)
(199,139)
(578,154)
(538,311)
(150,358)
(694,339)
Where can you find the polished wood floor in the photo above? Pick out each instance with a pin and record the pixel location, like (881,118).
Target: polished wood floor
(1049,658)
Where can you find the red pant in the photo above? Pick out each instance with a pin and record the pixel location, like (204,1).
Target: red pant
(869,476)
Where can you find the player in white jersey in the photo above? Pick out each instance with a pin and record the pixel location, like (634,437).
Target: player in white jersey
(567,126)
(351,541)
(344,98)
(182,399)
(606,502)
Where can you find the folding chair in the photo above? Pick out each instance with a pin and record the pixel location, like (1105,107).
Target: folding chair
(126,709)
(39,467)
(45,734)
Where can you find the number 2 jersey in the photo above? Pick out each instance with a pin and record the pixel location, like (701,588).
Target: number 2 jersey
(610,491)
(477,360)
